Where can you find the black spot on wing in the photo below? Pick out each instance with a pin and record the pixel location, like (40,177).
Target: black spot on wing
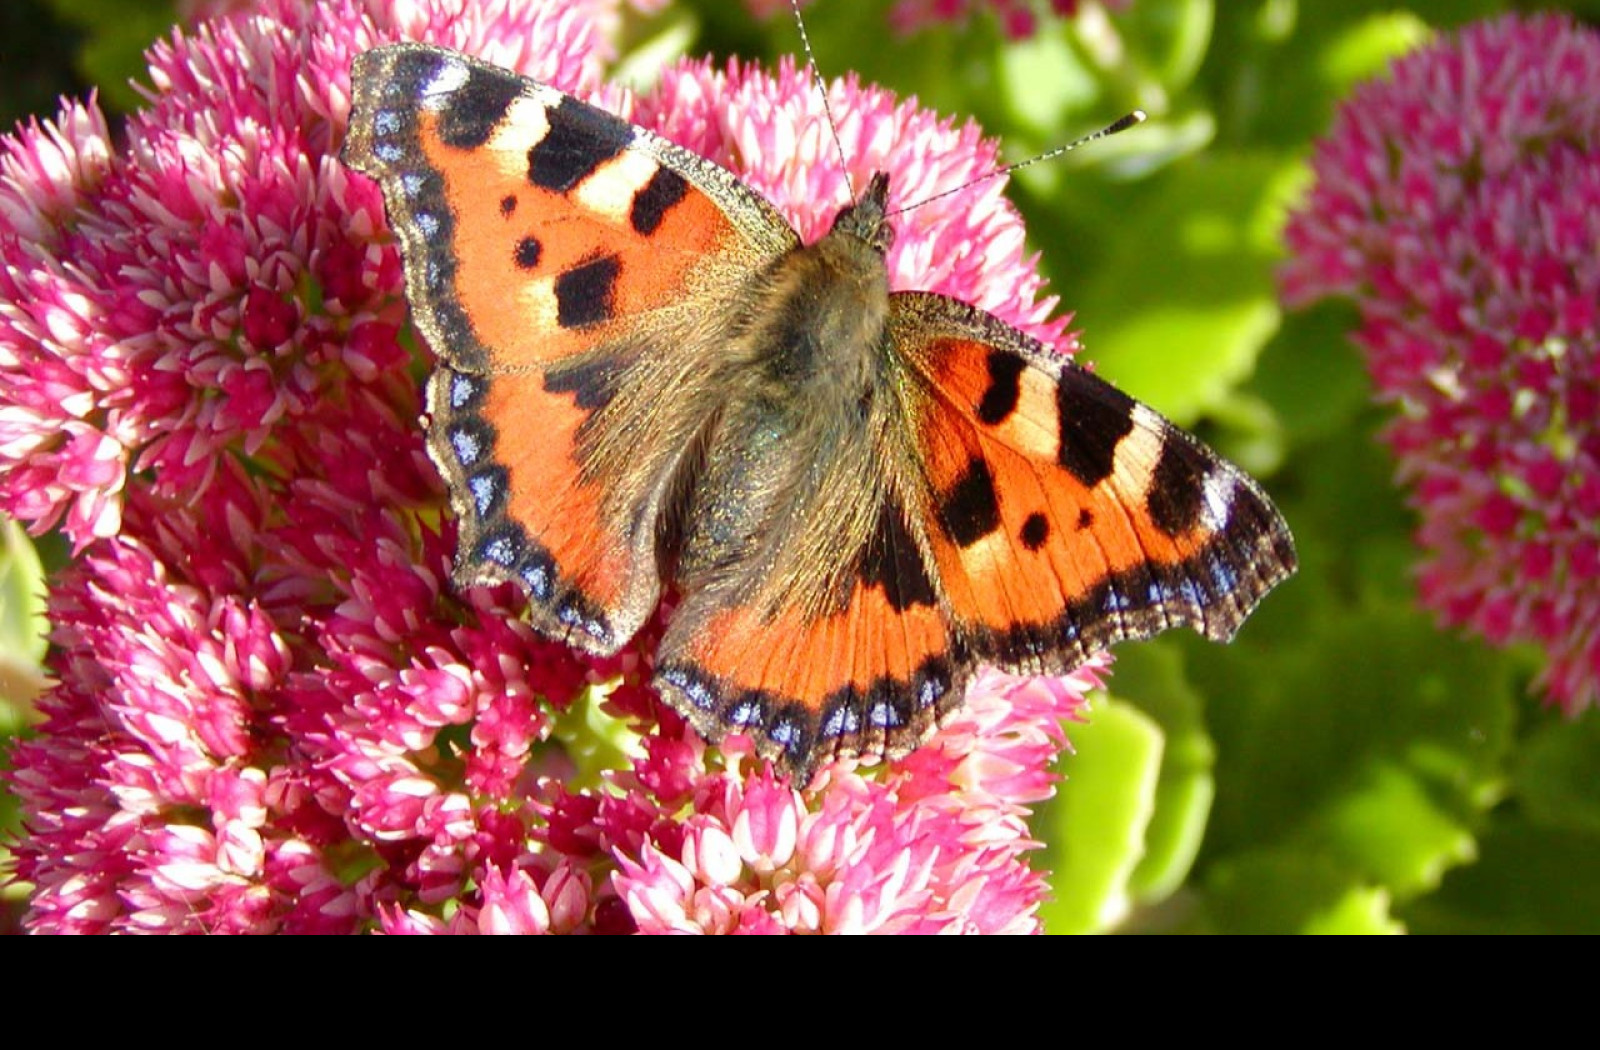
(528,251)
(651,204)
(585,294)
(892,561)
(508,205)
(580,139)
(1005,387)
(1177,494)
(1094,417)
(971,509)
(1085,518)
(1035,531)
(473,110)
(593,382)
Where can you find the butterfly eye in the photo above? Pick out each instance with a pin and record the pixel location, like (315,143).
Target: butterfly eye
(882,238)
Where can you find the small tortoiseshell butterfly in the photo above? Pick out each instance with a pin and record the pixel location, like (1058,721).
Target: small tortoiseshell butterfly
(647,380)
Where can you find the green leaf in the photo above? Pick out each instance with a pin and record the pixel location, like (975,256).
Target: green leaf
(1362,911)
(1096,824)
(1378,743)
(1250,433)
(1556,774)
(1528,879)
(1313,376)
(1389,826)
(13,892)
(1281,892)
(1351,522)
(22,621)
(651,45)
(1041,79)
(1151,677)
(1367,48)
(22,626)
(1277,70)
(1168,39)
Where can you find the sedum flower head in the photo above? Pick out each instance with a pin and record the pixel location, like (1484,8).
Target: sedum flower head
(274,713)
(1458,203)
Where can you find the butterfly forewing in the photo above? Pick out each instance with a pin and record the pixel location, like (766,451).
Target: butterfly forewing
(555,256)
(1064,515)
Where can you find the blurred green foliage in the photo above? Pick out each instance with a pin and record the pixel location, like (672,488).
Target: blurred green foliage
(1344,766)
(22,626)
(74,44)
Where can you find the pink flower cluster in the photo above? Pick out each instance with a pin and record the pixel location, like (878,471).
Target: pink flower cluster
(274,713)
(1458,203)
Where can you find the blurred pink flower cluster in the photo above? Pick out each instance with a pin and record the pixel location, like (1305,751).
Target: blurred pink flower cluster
(1018,19)
(1458,203)
(274,713)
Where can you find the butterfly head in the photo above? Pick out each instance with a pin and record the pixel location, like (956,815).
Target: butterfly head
(867,218)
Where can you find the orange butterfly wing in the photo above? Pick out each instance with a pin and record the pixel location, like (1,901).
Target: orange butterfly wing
(1062,515)
(550,247)
(873,675)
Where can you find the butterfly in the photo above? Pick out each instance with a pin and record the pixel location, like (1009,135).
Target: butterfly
(648,384)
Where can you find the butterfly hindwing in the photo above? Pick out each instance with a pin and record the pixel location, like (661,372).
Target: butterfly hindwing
(873,673)
(1062,515)
(558,260)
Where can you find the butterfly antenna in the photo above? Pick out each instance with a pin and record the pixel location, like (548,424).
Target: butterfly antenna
(822,89)
(1118,125)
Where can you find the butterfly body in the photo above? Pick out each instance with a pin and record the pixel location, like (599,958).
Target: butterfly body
(648,382)
(798,430)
